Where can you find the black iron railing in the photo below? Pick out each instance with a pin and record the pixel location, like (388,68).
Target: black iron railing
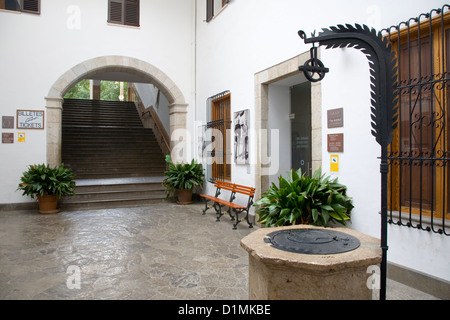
(418,157)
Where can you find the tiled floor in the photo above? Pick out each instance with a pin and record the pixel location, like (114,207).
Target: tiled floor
(166,251)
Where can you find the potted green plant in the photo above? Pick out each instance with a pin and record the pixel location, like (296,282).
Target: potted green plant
(182,178)
(301,199)
(48,185)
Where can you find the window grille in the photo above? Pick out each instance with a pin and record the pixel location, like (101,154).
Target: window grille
(419,178)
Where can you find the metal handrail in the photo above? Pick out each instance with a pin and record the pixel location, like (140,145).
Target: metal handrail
(154,117)
(158,125)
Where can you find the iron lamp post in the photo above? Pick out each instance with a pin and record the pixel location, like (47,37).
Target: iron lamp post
(384,97)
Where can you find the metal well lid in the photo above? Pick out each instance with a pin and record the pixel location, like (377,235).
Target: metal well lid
(312,241)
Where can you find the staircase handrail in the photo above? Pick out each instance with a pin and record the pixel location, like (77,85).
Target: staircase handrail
(151,110)
(153,114)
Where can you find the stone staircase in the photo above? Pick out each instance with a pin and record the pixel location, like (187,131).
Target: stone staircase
(116,161)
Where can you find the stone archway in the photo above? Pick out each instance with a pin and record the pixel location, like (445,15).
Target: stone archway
(92,67)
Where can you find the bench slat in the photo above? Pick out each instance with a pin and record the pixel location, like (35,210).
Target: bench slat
(249,191)
(230,204)
(207,196)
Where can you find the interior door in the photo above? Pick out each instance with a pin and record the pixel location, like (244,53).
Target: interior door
(301,127)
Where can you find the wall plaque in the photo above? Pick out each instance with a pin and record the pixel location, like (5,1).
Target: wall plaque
(336,142)
(21,137)
(7,122)
(7,137)
(334,163)
(30,119)
(335,118)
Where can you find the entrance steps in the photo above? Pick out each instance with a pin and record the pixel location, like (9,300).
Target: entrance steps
(115,160)
(115,193)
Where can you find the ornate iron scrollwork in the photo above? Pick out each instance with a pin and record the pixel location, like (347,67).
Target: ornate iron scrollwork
(383,71)
(383,76)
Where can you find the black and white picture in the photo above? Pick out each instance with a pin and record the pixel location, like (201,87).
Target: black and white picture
(241,137)
(201,141)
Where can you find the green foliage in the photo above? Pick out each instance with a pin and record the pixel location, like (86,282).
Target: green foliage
(183,176)
(42,180)
(79,91)
(301,199)
(109,90)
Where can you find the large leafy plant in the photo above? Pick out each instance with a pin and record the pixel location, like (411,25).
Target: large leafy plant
(42,180)
(183,176)
(301,199)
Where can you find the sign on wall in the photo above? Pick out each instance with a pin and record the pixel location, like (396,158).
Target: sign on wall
(30,119)
(7,137)
(335,118)
(7,122)
(21,137)
(334,163)
(336,142)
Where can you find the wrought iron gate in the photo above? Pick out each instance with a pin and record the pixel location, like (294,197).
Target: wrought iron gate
(419,178)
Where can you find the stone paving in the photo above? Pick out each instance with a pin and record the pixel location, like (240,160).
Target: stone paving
(164,252)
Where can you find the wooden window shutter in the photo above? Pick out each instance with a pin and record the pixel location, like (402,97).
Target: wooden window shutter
(115,11)
(209,10)
(131,12)
(31,6)
(124,12)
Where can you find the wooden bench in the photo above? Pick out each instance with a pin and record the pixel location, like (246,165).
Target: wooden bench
(236,208)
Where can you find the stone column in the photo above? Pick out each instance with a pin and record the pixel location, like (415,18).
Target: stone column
(179,138)
(96,91)
(316,125)
(53,127)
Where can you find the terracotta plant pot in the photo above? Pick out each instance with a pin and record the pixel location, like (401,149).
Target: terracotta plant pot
(48,204)
(184,196)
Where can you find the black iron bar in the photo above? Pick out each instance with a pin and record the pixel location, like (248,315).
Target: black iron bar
(432,158)
(445,63)
(384,170)
(420,99)
(384,118)
(432,108)
(421,145)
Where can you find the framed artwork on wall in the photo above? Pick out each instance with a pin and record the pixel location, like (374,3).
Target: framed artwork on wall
(201,141)
(241,142)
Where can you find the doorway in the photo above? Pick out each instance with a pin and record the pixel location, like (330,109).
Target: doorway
(300,117)
(284,74)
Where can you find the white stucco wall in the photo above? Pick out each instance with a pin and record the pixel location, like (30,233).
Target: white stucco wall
(149,97)
(280,103)
(250,36)
(203,59)
(38,49)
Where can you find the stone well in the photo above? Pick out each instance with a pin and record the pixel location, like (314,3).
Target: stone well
(286,274)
